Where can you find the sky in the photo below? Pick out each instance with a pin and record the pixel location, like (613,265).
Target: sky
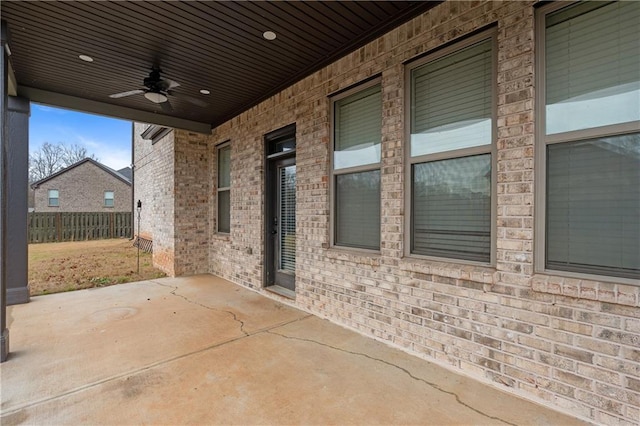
(109,139)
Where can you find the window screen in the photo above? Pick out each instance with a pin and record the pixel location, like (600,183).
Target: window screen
(224,191)
(452,208)
(358,121)
(358,210)
(592,198)
(452,128)
(592,56)
(452,102)
(108,198)
(54,199)
(356,168)
(593,206)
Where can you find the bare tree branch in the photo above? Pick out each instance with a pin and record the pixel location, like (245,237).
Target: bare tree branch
(51,158)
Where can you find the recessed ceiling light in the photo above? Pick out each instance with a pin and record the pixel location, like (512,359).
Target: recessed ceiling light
(204,91)
(86,58)
(269,35)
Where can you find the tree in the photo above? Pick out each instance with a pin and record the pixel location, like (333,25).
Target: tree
(51,158)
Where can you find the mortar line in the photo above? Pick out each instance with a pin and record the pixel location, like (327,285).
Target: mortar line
(404,370)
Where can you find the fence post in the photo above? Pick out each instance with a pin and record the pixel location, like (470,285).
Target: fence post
(58,228)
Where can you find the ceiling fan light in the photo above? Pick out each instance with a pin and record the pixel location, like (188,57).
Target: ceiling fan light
(155,97)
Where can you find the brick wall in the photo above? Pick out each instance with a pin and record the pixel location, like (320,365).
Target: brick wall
(81,189)
(154,172)
(574,344)
(172,181)
(192,192)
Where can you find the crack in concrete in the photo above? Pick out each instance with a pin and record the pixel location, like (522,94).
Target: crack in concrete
(8,412)
(174,292)
(404,370)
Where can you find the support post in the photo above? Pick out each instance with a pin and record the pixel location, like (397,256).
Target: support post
(4,86)
(139,208)
(17,177)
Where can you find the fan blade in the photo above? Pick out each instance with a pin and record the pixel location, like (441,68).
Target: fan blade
(129,93)
(166,84)
(166,106)
(193,100)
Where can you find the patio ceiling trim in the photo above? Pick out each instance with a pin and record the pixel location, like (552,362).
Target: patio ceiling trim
(95,107)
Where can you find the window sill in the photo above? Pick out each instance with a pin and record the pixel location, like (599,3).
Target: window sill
(483,274)
(222,237)
(620,291)
(359,256)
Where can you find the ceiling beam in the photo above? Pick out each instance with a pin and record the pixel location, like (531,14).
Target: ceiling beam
(101,108)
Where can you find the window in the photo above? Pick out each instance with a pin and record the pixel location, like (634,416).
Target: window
(224,190)
(54,198)
(452,127)
(590,132)
(108,198)
(357,135)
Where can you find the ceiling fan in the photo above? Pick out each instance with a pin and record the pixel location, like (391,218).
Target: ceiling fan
(157,90)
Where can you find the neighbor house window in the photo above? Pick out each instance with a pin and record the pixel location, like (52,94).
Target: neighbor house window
(452,129)
(589,75)
(108,198)
(224,189)
(54,198)
(357,135)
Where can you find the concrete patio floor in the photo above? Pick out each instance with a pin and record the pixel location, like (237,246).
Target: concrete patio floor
(201,350)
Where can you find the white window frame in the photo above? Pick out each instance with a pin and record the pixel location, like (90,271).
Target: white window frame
(543,140)
(220,189)
(113,198)
(333,173)
(49,198)
(491,149)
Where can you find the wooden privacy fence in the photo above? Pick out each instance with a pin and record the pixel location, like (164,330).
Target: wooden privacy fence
(57,227)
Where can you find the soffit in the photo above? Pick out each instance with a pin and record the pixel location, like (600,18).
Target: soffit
(217,46)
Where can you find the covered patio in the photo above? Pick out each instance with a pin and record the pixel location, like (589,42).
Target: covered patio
(201,350)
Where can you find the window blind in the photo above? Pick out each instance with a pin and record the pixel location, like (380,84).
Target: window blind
(452,101)
(358,124)
(224,167)
(593,206)
(592,58)
(451,208)
(224,211)
(288,218)
(358,210)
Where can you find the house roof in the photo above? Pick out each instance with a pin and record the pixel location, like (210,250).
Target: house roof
(203,45)
(126,172)
(79,163)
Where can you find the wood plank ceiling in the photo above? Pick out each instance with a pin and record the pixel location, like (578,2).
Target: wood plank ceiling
(212,45)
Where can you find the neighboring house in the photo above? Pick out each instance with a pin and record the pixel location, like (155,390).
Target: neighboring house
(86,186)
(466,187)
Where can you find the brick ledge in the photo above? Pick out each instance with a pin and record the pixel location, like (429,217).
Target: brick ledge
(622,294)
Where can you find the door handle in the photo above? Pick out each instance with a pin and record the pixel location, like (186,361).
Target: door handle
(274,232)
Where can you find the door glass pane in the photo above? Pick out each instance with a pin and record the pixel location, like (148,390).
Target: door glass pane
(452,101)
(288,218)
(358,210)
(593,206)
(592,57)
(358,124)
(452,208)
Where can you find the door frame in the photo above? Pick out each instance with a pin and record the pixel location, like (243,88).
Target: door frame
(272,160)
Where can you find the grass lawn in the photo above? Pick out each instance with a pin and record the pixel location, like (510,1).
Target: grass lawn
(56,267)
